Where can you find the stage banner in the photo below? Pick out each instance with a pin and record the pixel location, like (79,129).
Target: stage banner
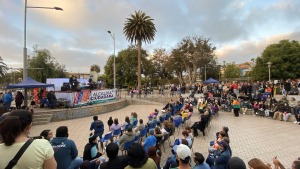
(99,96)
(83,98)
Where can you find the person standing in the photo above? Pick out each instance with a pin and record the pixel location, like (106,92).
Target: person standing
(7,99)
(97,126)
(236,88)
(236,106)
(287,87)
(100,82)
(19,99)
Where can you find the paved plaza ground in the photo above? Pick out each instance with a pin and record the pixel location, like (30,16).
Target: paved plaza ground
(250,136)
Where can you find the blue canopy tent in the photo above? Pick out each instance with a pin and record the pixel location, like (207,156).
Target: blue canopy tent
(29,83)
(211,80)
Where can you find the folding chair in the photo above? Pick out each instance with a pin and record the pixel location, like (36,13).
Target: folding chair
(191,147)
(116,133)
(167,117)
(163,119)
(126,127)
(135,123)
(136,139)
(143,133)
(105,139)
(183,122)
(126,146)
(154,125)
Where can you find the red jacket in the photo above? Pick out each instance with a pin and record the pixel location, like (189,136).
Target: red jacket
(235,86)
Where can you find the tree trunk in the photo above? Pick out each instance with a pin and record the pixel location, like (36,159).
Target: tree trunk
(139,63)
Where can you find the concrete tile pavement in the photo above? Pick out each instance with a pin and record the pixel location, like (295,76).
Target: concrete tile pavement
(251,137)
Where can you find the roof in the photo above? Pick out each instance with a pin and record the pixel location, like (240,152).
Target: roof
(29,83)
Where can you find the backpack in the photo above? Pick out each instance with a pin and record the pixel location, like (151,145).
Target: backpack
(98,124)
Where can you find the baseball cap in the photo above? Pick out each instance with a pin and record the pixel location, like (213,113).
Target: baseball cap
(183,151)
(222,143)
(150,117)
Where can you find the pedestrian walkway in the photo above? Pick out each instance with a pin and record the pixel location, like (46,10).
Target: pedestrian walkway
(251,137)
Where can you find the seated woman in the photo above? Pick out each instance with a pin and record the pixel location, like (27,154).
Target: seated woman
(154,156)
(152,114)
(294,91)
(214,144)
(133,118)
(268,91)
(158,134)
(273,101)
(189,130)
(201,124)
(47,134)
(273,109)
(242,96)
(91,150)
(267,110)
(184,114)
(186,136)
(255,108)
(261,109)
(286,110)
(126,122)
(166,129)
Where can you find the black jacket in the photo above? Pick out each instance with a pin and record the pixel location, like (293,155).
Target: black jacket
(87,152)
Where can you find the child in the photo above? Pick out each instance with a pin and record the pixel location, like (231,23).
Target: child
(110,122)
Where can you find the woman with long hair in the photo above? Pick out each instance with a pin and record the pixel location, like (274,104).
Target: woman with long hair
(256,163)
(133,118)
(47,134)
(14,130)
(154,156)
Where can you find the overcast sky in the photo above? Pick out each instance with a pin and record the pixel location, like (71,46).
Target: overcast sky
(77,36)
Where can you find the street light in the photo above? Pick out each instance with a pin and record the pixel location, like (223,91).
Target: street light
(113,36)
(269,65)
(25,49)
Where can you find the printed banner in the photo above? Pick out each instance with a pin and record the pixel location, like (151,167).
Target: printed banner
(82,98)
(99,96)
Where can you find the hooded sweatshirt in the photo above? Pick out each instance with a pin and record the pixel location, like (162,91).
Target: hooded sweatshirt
(150,141)
(64,151)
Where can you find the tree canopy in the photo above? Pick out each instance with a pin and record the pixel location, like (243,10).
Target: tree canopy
(95,68)
(285,59)
(232,70)
(42,58)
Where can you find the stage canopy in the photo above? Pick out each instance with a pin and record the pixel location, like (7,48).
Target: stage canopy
(211,80)
(29,83)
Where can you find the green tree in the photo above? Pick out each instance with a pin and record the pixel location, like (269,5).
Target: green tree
(95,68)
(42,58)
(285,59)
(139,27)
(159,60)
(232,71)
(126,66)
(3,68)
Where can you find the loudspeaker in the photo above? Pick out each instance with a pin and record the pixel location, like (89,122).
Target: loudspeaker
(63,88)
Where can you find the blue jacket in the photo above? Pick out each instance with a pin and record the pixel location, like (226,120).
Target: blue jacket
(201,166)
(298,111)
(222,159)
(65,151)
(7,98)
(97,129)
(150,141)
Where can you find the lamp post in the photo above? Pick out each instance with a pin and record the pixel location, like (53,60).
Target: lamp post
(269,65)
(25,49)
(113,36)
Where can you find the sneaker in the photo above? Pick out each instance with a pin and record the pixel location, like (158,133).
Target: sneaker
(295,122)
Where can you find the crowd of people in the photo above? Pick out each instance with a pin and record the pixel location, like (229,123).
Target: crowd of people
(143,141)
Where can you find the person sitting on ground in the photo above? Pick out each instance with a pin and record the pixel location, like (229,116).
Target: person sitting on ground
(137,158)
(115,126)
(150,140)
(127,137)
(97,126)
(273,100)
(189,130)
(222,156)
(186,136)
(245,107)
(257,97)
(14,130)
(294,91)
(267,110)
(140,127)
(150,122)
(115,161)
(123,126)
(273,109)
(65,150)
(199,160)
(223,105)
(261,109)
(133,118)
(47,134)
(91,150)
(154,156)
(286,110)
(154,119)
(183,156)
(201,124)
(110,122)
(158,134)
(255,108)
(293,105)
(236,163)
(256,163)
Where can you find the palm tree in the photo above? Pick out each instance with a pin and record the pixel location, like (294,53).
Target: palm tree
(3,68)
(139,27)
(95,68)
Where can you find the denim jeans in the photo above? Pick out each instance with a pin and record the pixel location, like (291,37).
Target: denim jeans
(93,164)
(99,134)
(75,164)
(100,86)
(7,104)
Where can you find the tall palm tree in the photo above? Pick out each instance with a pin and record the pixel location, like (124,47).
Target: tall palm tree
(140,28)
(95,68)
(3,68)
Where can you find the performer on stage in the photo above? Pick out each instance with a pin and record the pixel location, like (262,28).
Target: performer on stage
(100,82)
(71,80)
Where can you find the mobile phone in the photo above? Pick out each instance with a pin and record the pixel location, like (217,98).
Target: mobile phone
(275,157)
